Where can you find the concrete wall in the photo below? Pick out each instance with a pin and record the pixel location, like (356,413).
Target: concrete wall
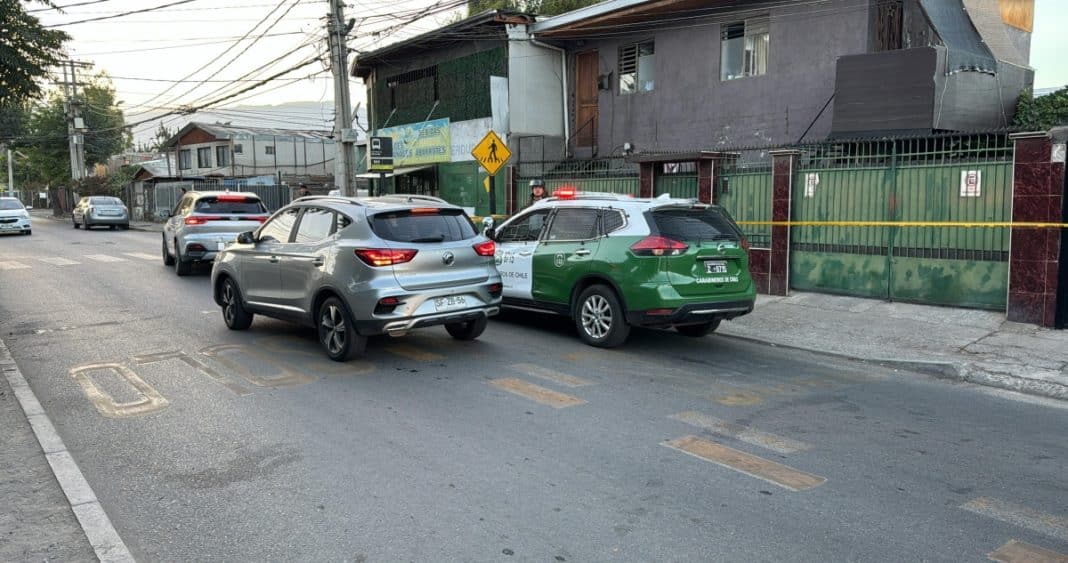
(535,83)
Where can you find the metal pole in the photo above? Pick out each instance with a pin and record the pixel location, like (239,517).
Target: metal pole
(10,171)
(342,104)
(492,196)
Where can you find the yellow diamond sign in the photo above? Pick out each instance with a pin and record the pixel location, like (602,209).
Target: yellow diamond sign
(491,153)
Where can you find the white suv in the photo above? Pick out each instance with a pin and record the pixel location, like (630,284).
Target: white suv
(14,217)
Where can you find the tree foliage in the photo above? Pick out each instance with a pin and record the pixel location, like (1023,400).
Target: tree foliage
(27,50)
(1042,114)
(540,7)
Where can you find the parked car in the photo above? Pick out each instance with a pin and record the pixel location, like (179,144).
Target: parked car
(14,217)
(96,211)
(203,223)
(354,268)
(611,261)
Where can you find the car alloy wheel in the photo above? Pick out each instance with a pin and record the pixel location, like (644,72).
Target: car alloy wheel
(337,333)
(599,318)
(234,313)
(596,317)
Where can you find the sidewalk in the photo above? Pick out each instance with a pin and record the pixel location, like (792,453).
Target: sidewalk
(963,344)
(46,214)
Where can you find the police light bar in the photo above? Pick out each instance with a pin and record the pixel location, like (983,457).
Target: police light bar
(568,192)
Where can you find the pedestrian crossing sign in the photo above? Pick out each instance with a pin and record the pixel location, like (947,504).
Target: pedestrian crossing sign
(491,153)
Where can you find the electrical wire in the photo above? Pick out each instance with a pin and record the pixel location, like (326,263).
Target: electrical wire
(123,14)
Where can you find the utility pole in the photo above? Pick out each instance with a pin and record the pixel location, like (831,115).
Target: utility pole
(10,170)
(75,122)
(337,29)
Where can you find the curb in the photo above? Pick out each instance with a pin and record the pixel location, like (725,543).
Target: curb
(96,525)
(147,228)
(951,371)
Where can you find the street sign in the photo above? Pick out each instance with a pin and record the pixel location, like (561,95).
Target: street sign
(381,153)
(491,153)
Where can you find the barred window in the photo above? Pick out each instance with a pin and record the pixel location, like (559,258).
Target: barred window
(637,67)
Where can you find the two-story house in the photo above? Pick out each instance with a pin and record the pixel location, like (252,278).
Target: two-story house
(203,150)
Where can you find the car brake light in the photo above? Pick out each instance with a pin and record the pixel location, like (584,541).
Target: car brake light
(260,218)
(659,312)
(495,289)
(384,256)
(424,211)
(657,245)
(201,219)
(230,197)
(565,193)
(488,248)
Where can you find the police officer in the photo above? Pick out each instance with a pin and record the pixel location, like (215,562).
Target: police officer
(303,191)
(537,191)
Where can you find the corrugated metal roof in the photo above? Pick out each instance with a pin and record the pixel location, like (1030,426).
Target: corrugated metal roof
(158,168)
(223,131)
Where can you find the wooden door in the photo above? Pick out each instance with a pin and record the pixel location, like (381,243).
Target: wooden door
(586,99)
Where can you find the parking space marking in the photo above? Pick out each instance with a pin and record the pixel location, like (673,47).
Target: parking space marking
(1019,552)
(59,261)
(413,353)
(1039,522)
(194,363)
(104,258)
(742,433)
(150,400)
(536,393)
(551,375)
(764,469)
(12,265)
(286,377)
(142,255)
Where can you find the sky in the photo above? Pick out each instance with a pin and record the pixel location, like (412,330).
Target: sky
(190,53)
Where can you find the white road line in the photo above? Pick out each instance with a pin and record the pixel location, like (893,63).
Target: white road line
(1018,515)
(742,433)
(58,261)
(551,375)
(12,265)
(142,255)
(104,258)
(98,529)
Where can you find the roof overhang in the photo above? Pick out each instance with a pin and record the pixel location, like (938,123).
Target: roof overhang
(617,17)
(395,172)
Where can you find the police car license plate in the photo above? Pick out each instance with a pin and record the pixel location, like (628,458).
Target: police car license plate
(220,244)
(716,267)
(451,302)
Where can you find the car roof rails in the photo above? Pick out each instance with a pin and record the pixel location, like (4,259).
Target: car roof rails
(333,198)
(412,198)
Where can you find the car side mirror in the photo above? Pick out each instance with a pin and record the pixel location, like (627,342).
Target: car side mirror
(246,237)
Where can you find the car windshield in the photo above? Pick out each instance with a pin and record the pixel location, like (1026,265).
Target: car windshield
(105,201)
(431,225)
(695,224)
(237,205)
(7,204)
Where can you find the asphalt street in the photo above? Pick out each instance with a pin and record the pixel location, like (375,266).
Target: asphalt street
(525,445)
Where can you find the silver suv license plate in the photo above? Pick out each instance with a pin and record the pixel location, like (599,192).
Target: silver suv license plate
(716,267)
(451,302)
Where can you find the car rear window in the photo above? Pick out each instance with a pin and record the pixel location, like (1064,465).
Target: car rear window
(236,205)
(105,201)
(9,204)
(435,225)
(695,224)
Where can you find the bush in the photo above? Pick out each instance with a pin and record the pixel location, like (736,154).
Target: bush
(1042,114)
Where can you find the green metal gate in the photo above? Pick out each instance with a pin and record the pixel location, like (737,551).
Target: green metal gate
(676,180)
(848,189)
(746,193)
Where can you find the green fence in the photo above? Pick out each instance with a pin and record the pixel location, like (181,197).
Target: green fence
(746,193)
(612,175)
(961,179)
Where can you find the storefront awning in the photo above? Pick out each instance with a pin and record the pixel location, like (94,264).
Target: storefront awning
(395,172)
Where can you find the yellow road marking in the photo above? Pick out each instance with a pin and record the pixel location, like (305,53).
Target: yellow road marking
(536,393)
(747,435)
(286,377)
(574,356)
(943,224)
(732,396)
(1017,515)
(150,400)
(413,353)
(1020,552)
(754,466)
(551,375)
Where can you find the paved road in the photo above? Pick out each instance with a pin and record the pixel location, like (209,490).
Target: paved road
(206,444)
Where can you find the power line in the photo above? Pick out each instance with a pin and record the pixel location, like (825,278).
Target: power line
(125,51)
(66,6)
(122,14)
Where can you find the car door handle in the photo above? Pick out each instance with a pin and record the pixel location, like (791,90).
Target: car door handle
(318,262)
(525,253)
(273,259)
(582,252)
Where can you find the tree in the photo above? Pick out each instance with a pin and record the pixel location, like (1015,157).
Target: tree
(1042,114)
(26,52)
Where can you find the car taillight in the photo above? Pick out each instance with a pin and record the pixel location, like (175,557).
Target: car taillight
(488,248)
(656,245)
(228,197)
(260,218)
(201,219)
(384,256)
(386,305)
(495,289)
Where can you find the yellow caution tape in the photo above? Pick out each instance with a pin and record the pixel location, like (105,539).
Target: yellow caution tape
(995,225)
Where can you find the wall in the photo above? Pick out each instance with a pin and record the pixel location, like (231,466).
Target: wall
(293,155)
(534,87)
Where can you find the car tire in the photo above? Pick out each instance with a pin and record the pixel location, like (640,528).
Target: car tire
(337,331)
(125,227)
(28,232)
(233,308)
(467,330)
(168,260)
(181,267)
(73,222)
(111,227)
(697,331)
(599,318)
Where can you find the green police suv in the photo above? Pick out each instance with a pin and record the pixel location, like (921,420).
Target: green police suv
(612,261)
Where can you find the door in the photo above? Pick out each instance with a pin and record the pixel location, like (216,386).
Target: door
(564,254)
(261,280)
(586,93)
(516,241)
(301,262)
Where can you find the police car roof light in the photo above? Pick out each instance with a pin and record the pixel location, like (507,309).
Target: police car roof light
(565,193)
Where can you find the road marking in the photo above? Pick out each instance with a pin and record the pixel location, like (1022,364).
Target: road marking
(413,353)
(12,265)
(1020,552)
(142,255)
(58,261)
(536,393)
(195,364)
(104,258)
(286,377)
(747,435)
(754,466)
(1017,515)
(551,375)
(151,401)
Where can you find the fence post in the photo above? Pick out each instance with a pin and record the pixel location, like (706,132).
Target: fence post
(646,179)
(784,163)
(1037,196)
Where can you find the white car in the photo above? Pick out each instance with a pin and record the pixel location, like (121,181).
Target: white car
(14,217)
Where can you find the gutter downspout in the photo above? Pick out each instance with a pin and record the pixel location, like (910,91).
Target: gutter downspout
(563,77)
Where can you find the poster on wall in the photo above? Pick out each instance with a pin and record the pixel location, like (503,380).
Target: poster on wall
(414,144)
(971,183)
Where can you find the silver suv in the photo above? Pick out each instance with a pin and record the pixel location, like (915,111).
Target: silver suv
(202,223)
(353,268)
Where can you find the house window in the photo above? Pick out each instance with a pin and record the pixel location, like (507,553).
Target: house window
(637,68)
(889,22)
(222,156)
(268,149)
(185,159)
(238,149)
(744,48)
(204,157)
